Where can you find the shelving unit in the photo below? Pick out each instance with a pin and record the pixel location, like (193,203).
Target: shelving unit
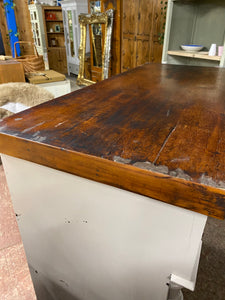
(194,22)
(200,55)
(54,36)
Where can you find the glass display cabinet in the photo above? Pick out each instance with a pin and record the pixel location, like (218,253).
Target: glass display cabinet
(71,10)
(38,31)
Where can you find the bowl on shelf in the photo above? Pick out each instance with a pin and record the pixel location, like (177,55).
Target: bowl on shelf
(192,48)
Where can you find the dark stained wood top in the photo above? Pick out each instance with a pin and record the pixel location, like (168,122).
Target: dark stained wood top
(168,115)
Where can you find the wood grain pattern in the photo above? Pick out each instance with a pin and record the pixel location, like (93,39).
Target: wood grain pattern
(194,55)
(141,25)
(4,30)
(23,21)
(168,115)
(11,71)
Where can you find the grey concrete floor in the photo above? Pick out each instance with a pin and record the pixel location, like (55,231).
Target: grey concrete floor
(210,283)
(73,82)
(211,273)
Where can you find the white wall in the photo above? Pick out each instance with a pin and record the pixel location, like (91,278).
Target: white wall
(47,2)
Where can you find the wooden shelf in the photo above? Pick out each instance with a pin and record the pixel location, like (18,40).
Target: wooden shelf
(62,47)
(55,32)
(200,55)
(55,40)
(54,20)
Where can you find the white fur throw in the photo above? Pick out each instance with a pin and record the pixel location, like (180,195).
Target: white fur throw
(25,93)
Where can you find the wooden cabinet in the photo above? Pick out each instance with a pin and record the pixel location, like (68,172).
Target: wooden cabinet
(54,35)
(136,28)
(194,22)
(135,33)
(57,59)
(141,24)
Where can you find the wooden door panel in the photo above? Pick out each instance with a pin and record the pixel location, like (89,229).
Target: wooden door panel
(144,23)
(129,30)
(156,44)
(57,60)
(142,52)
(62,61)
(128,54)
(129,16)
(52,59)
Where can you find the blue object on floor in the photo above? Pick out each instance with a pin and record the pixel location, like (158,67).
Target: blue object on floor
(11,24)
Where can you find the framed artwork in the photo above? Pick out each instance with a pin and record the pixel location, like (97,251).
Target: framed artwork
(57,28)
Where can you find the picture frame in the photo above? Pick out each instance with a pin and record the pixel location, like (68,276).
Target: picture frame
(57,28)
(85,20)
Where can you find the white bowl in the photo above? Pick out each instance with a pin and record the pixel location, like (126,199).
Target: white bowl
(192,48)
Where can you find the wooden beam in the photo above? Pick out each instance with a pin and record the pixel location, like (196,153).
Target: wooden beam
(4,30)
(23,20)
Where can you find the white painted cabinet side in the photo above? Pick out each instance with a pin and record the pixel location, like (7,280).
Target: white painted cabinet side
(167,31)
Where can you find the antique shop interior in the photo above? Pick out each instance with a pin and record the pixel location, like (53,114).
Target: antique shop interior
(118,57)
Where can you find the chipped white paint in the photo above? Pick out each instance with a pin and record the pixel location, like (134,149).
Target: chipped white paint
(103,242)
(180,159)
(30,128)
(36,133)
(121,160)
(151,167)
(209,181)
(18,119)
(59,124)
(147,165)
(178,173)
(39,138)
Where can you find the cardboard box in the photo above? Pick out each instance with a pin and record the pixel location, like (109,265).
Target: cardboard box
(44,77)
(11,71)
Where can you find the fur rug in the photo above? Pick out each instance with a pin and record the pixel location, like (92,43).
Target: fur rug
(25,93)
